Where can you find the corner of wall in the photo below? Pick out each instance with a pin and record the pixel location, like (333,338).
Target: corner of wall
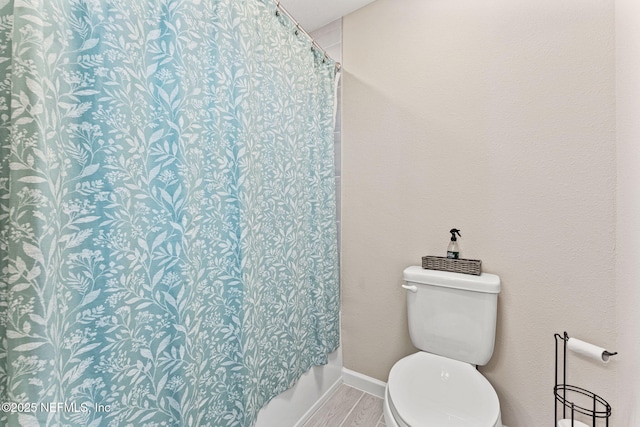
(627,24)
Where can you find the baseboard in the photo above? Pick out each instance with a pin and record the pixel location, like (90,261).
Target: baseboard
(351,378)
(307,415)
(363,382)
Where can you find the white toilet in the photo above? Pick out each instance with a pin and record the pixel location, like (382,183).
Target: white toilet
(452,320)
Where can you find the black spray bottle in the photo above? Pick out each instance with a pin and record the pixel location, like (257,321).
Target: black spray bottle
(453,251)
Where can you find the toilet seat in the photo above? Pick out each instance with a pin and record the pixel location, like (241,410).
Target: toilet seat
(427,390)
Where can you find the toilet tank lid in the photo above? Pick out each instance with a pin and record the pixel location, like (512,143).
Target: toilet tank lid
(487,283)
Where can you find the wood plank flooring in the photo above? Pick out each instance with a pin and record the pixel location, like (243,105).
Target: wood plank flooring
(349,407)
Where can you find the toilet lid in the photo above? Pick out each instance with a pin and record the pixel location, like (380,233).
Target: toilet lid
(431,390)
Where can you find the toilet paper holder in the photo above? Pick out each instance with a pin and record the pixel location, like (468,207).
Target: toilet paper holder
(566,394)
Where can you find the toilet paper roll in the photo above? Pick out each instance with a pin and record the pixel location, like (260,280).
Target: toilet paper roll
(588,350)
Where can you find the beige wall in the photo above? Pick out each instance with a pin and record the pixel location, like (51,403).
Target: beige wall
(628,208)
(496,117)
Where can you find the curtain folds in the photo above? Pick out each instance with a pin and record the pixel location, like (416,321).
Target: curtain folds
(167,211)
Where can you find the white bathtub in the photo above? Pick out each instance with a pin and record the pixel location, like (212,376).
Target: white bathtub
(295,405)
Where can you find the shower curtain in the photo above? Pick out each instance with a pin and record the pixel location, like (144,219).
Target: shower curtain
(167,211)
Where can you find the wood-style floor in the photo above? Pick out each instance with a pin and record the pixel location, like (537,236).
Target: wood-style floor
(349,407)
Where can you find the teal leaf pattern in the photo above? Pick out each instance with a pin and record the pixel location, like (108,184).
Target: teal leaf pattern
(167,210)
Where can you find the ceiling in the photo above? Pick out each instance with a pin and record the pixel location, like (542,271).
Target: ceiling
(313,14)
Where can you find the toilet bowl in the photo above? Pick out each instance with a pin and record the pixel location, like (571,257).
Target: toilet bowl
(452,320)
(427,390)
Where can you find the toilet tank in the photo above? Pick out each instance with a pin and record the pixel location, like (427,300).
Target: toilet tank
(452,314)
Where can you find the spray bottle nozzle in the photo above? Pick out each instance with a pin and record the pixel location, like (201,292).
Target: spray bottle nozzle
(453,232)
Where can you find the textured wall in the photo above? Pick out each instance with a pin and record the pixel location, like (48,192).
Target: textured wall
(628,206)
(496,117)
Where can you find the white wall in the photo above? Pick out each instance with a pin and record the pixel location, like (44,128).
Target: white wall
(628,208)
(496,117)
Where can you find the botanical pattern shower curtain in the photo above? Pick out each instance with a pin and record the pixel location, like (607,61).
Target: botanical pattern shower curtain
(167,211)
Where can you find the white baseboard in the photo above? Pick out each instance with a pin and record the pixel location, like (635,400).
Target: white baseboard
(363,382)
(319,403)
(353,379)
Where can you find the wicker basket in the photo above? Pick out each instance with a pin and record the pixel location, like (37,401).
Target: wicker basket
(466,266)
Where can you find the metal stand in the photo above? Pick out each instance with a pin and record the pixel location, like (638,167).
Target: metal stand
(564,392)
